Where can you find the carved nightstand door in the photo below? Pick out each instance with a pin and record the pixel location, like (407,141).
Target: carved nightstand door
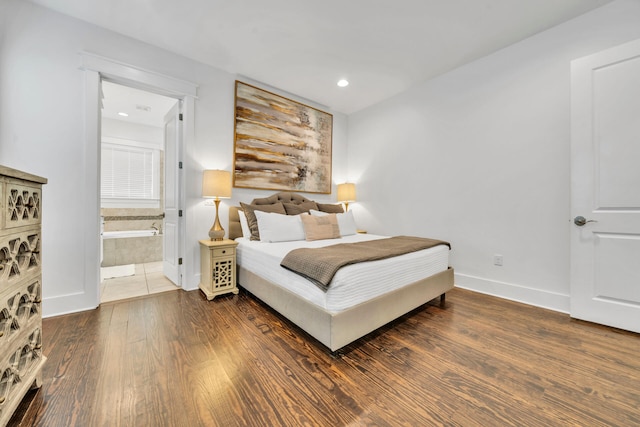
(218,267)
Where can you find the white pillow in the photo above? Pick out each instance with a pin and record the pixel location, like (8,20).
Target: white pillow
(346,221)
(275,227)
(244,225)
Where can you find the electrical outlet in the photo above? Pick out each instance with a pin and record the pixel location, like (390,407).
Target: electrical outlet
(497,260)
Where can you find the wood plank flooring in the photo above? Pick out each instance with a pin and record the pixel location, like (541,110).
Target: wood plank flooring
(175,359)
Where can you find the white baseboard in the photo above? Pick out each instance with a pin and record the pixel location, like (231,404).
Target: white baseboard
(536,297)
(66,304)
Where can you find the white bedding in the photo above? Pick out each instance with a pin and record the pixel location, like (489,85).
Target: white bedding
(352,284)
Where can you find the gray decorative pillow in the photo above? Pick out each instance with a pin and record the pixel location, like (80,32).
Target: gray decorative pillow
(304,207)
(251,216)
(330,208)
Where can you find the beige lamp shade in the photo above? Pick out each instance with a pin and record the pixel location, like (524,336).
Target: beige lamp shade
(216,184)
(347,192)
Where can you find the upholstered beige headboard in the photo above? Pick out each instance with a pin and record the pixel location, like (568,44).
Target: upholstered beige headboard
(284,197)
(235,230)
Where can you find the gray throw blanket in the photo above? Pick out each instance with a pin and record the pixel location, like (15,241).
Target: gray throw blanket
(320,264)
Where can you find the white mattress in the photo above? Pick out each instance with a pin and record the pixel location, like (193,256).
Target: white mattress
(352,284)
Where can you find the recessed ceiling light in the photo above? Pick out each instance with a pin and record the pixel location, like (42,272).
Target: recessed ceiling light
(343,83)
(123,114)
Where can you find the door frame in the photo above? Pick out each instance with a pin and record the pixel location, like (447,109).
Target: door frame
(96,68)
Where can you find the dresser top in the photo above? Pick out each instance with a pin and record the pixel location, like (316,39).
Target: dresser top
(14,173)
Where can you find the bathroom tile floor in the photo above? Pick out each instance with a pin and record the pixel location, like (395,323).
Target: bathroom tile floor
(147,280)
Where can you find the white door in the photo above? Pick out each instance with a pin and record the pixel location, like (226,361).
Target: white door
(605,175)
(172,211)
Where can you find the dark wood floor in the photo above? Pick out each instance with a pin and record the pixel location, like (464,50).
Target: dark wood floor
(175,359)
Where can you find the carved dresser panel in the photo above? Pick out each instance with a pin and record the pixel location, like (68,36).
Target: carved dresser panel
(21,358)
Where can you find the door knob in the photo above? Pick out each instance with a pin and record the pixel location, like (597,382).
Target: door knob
(580,221)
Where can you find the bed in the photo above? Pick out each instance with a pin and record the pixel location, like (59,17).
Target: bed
(386,289)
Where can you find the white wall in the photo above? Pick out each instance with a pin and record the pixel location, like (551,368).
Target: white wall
(480,157)
(133,131)
(42,119)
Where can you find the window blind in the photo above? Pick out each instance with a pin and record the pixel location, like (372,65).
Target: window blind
(129,172)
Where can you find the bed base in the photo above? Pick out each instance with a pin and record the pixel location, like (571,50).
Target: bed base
(335,330)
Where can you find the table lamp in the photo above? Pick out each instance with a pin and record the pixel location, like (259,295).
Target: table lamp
(346,194)
(216,184)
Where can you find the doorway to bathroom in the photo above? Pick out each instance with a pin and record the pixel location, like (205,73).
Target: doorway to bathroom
(132,191)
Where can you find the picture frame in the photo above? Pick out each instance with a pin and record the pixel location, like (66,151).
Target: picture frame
(279,143)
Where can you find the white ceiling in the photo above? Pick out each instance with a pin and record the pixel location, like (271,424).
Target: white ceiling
(142,107)
(303,47)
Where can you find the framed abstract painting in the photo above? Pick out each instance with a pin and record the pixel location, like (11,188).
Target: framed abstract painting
(280,144)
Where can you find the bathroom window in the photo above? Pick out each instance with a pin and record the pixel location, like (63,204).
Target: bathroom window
(130,175)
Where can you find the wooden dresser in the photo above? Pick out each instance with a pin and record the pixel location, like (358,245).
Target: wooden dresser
(21,357)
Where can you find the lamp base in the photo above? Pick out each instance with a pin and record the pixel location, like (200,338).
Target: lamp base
(216,235)
(216,232)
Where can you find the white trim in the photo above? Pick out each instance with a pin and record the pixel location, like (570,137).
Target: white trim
(89,296)
(190,268)
(530,296)
(138,77)
(66,304)
(91,190)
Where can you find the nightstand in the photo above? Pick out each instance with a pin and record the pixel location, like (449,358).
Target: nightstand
(218,267)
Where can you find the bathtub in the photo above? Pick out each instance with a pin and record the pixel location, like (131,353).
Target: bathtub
(131,247)
(128,233)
